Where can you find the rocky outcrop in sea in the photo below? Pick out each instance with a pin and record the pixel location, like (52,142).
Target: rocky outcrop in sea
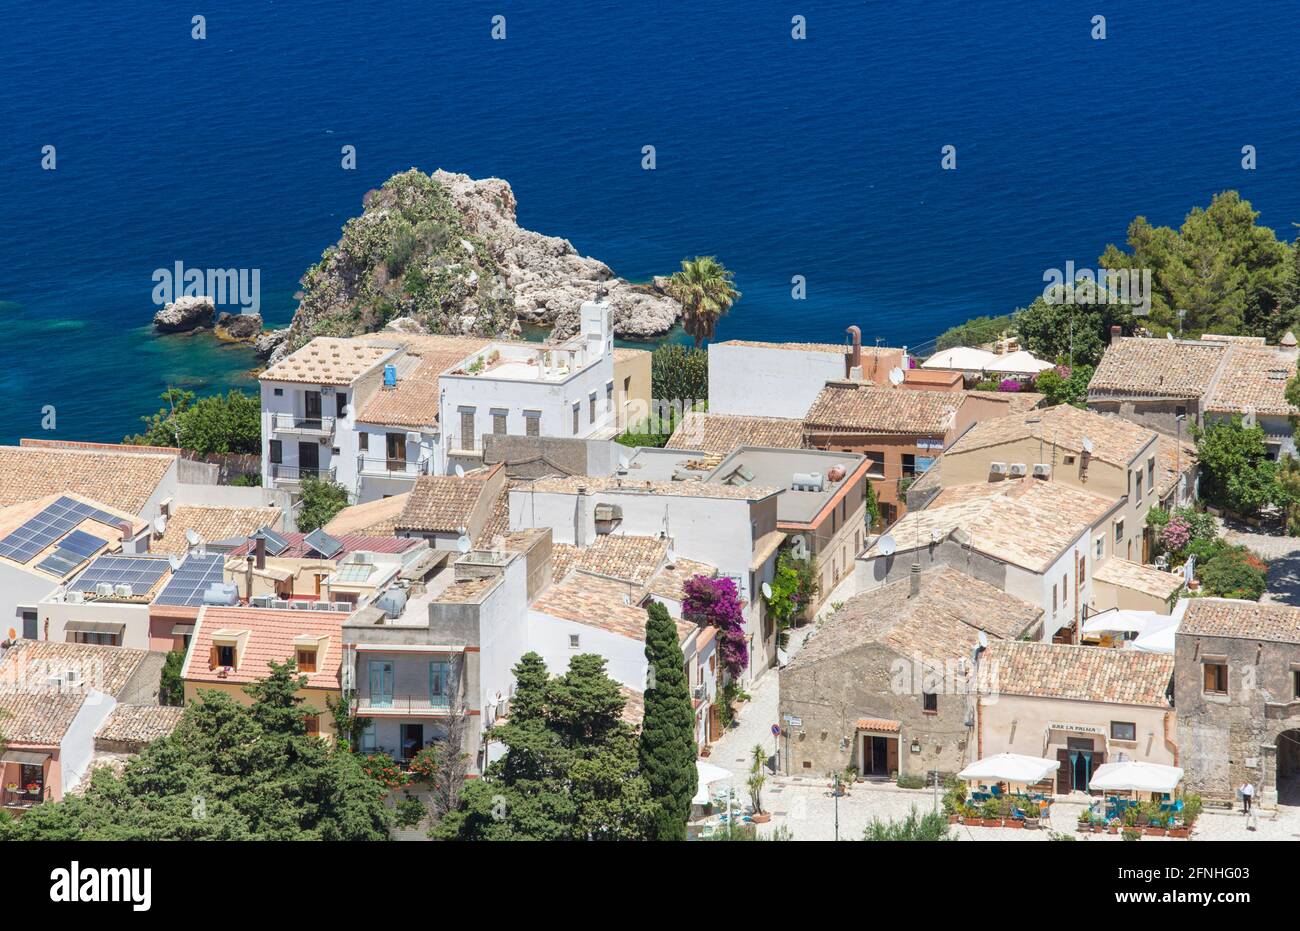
(185,314)
(444,253)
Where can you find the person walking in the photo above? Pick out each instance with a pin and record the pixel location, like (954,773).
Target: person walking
(1247,793)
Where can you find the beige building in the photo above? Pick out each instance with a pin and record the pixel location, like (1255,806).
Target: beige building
(884,684)
(632,385)
(1083,706)
(1129,586)
(1105,455)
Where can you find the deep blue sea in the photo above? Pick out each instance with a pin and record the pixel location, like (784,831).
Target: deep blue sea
(818,158)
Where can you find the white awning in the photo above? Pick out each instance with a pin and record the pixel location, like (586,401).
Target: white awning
(1158,637)
(707,774)
(1122,620)
(1018,363)
(1135,776)
(963,358)
(1010,767)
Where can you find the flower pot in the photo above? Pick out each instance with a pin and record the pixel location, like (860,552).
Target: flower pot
(1013,823)
(761,817)
(1112,829)
(953,819)
(1153,831)
(1031,824)
(1098,828)
(1180,832)
(1085,827)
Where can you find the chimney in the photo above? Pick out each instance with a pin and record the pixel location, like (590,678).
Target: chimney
(1114,333)
(259,550)
(914,580)
(853,358)
(248,577)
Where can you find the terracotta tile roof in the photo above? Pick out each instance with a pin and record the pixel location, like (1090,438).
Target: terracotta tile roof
(563,557)
(1253,378)
(31,710)
(633,706)
(1017,402)
(879,724)
(623,556)
(1137,577)
(721,434)
(444,503)
(213,524)
(374,518)
(1244,340)
(596,602)
(498,522)
(1243,620)
(1114,439)
(941,623)
(352,543)
(863,408)
(669,581)
(570,484)
(1025,522)
(15,516)
(139,723)
(1157,368)
(467,591)
(124,481)
(329,360)
(271,637)
(413,402)
(1170,460)
(1079,673)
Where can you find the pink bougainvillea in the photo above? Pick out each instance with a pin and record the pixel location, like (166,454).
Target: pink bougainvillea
(716,602)
(1176,534)
(1009,384)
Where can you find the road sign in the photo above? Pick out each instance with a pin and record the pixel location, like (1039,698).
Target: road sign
(776,730)
(793,721)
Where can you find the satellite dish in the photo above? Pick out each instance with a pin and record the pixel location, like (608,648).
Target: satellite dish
(175,562)
(462,543)
(192,538)
(460,471)
(935,535)
(983,639)
(160,524)
(886,545)
(896,376)
(1087,446)
(767,590)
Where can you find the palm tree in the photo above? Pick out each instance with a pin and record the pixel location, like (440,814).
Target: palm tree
(704,289)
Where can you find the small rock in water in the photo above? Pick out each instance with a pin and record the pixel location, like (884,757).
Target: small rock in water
(187,313)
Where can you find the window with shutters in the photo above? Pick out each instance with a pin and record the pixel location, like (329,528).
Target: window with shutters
(467,430)
(305,657)
(277,452)
(577,410)
(223,655)
(499,423)
(363,441)
(1216,677)
(312,721)
(341,404)
(533,423)
(930,702)
(591,401)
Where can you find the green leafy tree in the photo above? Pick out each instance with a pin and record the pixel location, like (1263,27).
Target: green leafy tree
(228,772)
(208,426)
(1073,334)
(667,745)
(320,502)
(1235,471)
(930,826)
(705,290)
(570,770)
(1231,575)
(171,688)
(1065,385)
(978,331)
(1228,273)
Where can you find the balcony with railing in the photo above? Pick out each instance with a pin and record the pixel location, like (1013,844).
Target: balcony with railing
(413,704)
(21,798)
(383,467)
(282,422)
(286,474)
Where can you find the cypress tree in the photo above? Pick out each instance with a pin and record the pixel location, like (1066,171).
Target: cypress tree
(667,747)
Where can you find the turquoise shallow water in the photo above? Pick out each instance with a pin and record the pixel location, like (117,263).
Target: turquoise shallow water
(817,159)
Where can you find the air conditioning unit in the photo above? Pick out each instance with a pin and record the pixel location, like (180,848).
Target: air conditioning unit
(122,591)
(261,601)
(998,468)
(1017,468)
(698,692)
(301,605)
(104,589)
(76,598)
(323,606)
(1042,470)
(279,603)
(413,437)
(341,606)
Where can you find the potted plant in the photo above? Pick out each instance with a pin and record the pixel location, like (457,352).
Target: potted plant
(33,788)
(12,787)
(756,781)
(1131,833)
(1112,826)
(1085,821)
(1033,814)
(991,813)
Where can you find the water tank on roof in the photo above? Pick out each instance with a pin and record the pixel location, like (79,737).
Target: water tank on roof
(221,593)
(808,481)
(390,376)
(392,602)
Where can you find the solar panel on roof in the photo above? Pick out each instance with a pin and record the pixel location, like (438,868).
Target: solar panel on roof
(60,562)
(191,580)
(83,544)
(323,543)
(50,524)
(354,572)
(140,572)
(275,544)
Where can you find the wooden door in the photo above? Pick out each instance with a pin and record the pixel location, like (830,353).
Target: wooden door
(1064,774)
(891,754)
